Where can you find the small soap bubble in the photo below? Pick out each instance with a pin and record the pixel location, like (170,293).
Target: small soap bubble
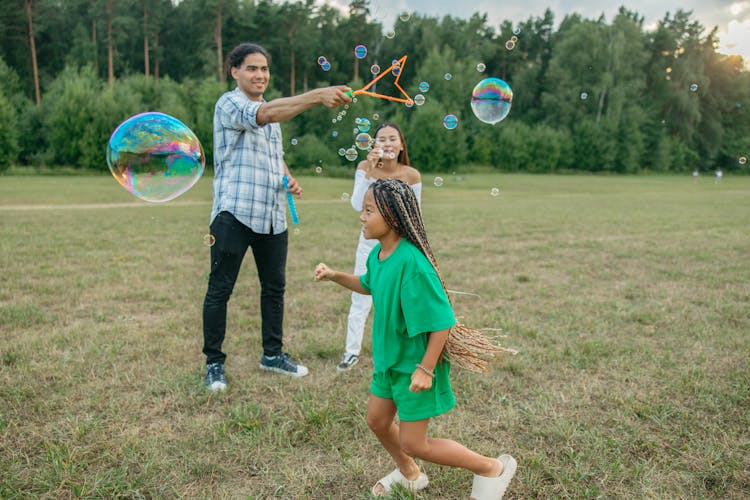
(409,103)
(438,181)
(391,155)
(363,125)
(693,87)
(294,141)
(209,240)
(494,192)
(351,154)
(318,170)
(360,51)
(491,100)
(448,76)
(374,69)
(396,71)
(155,156)
(326,66)
(333,120)
(405,16)
(424,87)
(514,39)
(375,116)
(742,160)
(363,140)
(390,34)
(668,70)
(321,60)
(344,196)
(510,45)
(450,121)
(481,67)
(419,99)
(335,133)
(584,96)
(342,152)
(517,31)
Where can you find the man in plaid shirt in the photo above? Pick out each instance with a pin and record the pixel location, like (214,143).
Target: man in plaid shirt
(249,207)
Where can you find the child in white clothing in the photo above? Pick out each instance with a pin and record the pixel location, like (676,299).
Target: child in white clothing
(389,159)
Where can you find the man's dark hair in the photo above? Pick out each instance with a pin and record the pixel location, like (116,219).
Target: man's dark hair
(240,52)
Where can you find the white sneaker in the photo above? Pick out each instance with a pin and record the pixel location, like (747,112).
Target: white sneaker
(348,362)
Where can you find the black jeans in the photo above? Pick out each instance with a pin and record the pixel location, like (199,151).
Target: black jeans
(269,250)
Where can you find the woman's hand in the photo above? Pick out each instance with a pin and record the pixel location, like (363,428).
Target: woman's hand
(374,159)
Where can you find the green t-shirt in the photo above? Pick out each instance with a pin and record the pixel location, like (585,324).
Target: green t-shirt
(409,302)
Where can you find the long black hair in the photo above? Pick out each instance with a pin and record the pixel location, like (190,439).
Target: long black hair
(403,155)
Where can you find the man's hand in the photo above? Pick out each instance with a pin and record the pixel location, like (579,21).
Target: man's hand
(294,186)
(333,97)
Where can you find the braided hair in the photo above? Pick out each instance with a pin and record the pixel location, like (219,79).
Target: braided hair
(466,347)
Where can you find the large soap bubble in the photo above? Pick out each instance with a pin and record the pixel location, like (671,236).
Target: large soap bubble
(155,156)
(363,124)
(363,140)
(491,100)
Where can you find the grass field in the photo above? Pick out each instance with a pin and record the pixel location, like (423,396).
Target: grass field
(627,297)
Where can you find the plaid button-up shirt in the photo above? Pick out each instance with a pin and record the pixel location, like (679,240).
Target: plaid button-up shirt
(248,165)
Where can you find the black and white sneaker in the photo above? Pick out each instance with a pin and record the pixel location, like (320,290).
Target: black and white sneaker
(348,362)
(282,364)
(216,381)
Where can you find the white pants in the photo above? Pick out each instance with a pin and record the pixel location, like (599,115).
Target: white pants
(361,304)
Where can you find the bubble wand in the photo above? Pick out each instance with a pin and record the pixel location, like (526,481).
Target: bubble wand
(396,65)
(290,201)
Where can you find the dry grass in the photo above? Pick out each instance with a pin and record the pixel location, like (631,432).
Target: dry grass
(627,297)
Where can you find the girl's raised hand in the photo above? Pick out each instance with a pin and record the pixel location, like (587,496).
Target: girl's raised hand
(322,272)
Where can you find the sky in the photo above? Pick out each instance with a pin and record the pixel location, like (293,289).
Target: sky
(731,17)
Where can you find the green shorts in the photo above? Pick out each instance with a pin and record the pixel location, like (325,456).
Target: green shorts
(413,406)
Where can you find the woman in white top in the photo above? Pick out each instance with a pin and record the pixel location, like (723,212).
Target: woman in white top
(388,159)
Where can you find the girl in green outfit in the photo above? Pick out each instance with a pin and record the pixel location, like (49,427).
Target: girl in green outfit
(412,322)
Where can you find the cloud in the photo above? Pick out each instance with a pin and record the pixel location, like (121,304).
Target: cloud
(738,8)
(709,13)
(736,40)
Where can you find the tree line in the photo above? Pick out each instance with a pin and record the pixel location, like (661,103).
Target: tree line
(591,95)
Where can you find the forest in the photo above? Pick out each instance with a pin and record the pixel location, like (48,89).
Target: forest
(589,95)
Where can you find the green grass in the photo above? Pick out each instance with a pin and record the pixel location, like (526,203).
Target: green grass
(626,296)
